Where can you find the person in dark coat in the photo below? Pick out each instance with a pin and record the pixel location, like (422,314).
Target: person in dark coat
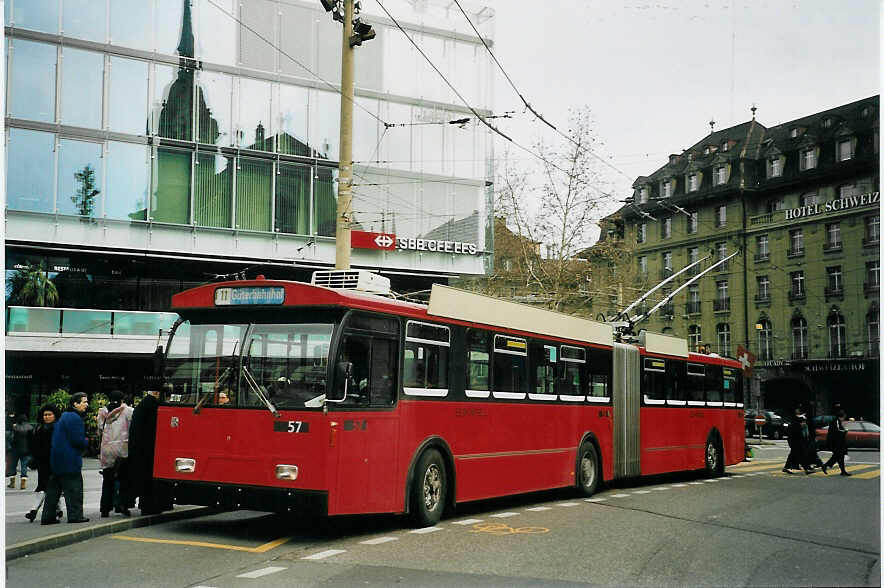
(41,448)
(837,439)
(22,432)
(142,439)
(66,461)
(793,436)
(809,456)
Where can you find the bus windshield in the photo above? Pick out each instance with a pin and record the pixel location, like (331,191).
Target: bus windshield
(247,365)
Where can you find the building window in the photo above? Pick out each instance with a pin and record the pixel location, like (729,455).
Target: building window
(721,251)
(827,122)
(808,159)
(720,175)
(721,215)
(873,276)
(799,338)
(793,132)
(641,232)
(847,190)
(693,257)
(762,248)
(693,305)
(722,300)
(776,204)
(873,228)
(834,284)
(665,189)
(643,265)
(796,281)
(666,227)
(874,332)
(643,195)
(693,183)
(833,237)
(765,340)
(723,332)
(725,146)
(796,243)
(694,338)
(837,335)
(845,149)
(667,264)
(774,167)
(693,221)
(809,199)
(763,289)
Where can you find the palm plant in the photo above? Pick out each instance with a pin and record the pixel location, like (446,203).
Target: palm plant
(30,286)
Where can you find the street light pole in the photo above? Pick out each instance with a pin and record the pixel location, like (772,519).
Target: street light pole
(345,167)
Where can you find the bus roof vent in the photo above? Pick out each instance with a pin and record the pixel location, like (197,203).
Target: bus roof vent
(360,280)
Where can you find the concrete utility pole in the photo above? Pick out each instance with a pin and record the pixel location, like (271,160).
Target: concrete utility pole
(345,166)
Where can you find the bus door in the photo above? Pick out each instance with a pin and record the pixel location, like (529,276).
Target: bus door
(365,425)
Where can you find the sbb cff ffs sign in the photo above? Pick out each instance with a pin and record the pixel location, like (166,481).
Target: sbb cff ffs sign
(389,242)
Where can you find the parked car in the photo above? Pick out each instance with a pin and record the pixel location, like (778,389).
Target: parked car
(774,426)
(860,434)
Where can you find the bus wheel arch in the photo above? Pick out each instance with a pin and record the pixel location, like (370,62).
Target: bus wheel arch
(432,451)
(713,454)
(588,466)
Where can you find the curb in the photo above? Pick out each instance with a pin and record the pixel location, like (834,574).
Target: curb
(41,544)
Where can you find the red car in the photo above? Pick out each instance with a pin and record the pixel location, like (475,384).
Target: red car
(859,434)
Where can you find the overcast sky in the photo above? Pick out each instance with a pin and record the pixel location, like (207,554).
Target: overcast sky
(654,73)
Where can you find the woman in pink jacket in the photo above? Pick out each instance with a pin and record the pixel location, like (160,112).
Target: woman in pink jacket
(113,425)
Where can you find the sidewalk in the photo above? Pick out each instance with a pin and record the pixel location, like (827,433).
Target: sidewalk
(25,538)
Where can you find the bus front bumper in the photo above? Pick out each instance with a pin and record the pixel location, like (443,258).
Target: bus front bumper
(237,496)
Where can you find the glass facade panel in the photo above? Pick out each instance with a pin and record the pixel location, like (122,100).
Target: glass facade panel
(30,170)
(256,52)
(127,96)
(142,323)
(253,129)
(82,83)
(427,139)
(254,189)
(172,103)
(325,200)
(170,188)
(128,181)
(34,320)
(85,19)
(396,145)
(365,130)
(168,15)
(293,199)
(216,38)
(401,71)
(215,92)
(130,24)
(325,124)
(83,322)
(80,189)
(291,120)
(213,190)
(36,15)
(295,39)
(32,79)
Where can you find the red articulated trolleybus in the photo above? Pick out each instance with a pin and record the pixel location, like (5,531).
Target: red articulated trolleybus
(294,397)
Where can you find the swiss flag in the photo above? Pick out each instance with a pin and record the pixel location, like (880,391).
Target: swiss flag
(746,359)
(369,240)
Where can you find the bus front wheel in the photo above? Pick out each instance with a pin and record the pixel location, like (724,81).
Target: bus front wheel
(588,470)
(429,489)
(714,457)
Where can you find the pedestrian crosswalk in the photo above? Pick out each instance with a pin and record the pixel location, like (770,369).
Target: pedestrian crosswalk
(861,471)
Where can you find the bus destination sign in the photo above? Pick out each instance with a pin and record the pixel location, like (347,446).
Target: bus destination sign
(253,295)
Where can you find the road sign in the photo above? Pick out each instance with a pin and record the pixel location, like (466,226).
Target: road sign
(760,420)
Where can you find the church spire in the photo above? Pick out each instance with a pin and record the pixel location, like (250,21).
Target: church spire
(185,45)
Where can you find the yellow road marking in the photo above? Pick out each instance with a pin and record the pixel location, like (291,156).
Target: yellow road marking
(259,549)
(867,475)
(771,465)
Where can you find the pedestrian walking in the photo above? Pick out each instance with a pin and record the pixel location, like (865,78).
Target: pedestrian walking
(41,448)
(142,439)
(22,432)
(837,439)
(809,456)
(113,424)
(793,437)
(66,463)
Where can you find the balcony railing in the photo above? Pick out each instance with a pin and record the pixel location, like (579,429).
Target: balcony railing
(692,307)
(837,293)
(721,304)
(667,310)
(799,353)
(870,287)
(762,257)
(665,273)
(832,247)
(762,298)
(762,219)
(795,252)
(871,241)
(74,322)
(793,295)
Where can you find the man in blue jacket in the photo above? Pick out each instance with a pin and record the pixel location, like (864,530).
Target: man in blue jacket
(66,461)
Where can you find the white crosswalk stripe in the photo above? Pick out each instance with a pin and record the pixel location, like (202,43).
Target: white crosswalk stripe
(262,572)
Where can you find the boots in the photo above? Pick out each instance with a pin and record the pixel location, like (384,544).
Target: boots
(11,482)
(24,483)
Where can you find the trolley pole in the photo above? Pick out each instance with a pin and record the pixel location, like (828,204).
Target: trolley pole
(345,169)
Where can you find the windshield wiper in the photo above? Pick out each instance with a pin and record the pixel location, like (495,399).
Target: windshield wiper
(225,375)
(259,392)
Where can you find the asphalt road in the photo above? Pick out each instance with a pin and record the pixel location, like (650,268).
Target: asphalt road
(754,527)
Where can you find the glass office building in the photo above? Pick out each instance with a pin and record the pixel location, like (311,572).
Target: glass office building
(156,144)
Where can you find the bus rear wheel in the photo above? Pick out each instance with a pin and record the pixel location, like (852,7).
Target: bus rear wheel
(429,489)
(714,457)
(588,469)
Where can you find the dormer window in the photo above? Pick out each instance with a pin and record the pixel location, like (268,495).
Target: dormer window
(690,157)
(808,158)
(643,195)
(673,159)
(793,132)
(693,182)
(719,175)
(827,123)
(665,189)
(845,149)
(865,112)
(774,167)
(706,151)
(725,146)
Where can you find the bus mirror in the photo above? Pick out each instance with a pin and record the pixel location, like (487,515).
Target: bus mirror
(158,360)
(343,377)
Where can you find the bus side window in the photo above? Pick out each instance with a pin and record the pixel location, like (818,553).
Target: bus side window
(696,376)
(654,380)
(713,384)
(383,372)
(675,372)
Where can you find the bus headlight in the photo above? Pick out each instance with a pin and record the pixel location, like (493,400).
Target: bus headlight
(286,472)
(185,465)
